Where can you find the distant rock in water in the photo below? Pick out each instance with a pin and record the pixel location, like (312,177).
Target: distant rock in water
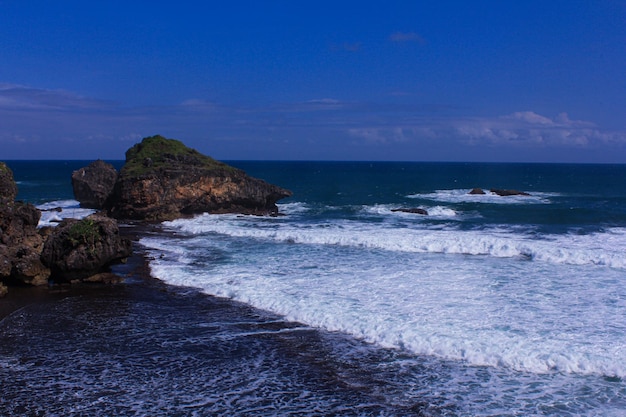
(477,191)
(411,210)
(497,191)
(163,179)
(506,193)
(94,183)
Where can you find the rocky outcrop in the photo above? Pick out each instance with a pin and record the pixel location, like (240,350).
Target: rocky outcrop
(20,240)
(163,179)
(477,191)
(94,183)
(8,187)
(77,249)
(506,193)
(411,210)
(80,249)
(498,191)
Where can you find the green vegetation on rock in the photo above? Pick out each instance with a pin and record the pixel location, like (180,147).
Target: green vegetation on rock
(156,152)
(86,232)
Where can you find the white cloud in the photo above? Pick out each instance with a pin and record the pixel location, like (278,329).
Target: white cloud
(15,96)
(521,129)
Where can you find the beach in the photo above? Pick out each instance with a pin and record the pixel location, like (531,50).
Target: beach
(142,347)
(344,305)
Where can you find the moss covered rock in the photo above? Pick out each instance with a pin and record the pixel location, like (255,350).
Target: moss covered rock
(163,179)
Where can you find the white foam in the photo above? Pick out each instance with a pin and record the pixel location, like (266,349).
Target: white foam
(562,314)
(293,208)
(388,210)
(55,211)
(603,249)
(463,196)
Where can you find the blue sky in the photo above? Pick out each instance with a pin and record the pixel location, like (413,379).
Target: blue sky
(518,81)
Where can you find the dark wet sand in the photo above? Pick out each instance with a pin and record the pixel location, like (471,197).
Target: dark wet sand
(136,268)
(310,372)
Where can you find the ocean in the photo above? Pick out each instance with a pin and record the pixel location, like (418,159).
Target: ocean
(487,306)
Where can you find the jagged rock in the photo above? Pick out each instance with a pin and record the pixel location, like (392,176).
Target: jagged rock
(94,183)
(78,249)
(477,191)
(411,210)
(506,193)
(8,187)
(20,242)
(163,179)
(28,268)
(5,262)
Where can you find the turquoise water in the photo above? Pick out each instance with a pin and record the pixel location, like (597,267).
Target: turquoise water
(487,306)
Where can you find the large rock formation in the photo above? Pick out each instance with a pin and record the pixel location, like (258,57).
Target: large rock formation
(20,240)
(8,187)
(163,179)
(80,249)
(77,249)
(94,183)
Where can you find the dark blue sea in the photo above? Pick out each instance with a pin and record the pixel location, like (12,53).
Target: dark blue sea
(487,306)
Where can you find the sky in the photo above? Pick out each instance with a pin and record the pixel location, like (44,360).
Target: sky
(480,81)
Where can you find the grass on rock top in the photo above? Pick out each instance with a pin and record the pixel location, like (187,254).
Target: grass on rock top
(156,152)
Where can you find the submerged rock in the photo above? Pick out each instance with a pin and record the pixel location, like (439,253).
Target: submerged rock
(78,249)
(477,191)
(411,210)
(506,193)
(94,184)
(163,179)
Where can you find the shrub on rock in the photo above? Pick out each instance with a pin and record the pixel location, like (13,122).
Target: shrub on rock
(78,249)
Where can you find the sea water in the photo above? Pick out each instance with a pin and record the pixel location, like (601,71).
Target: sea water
(488,305)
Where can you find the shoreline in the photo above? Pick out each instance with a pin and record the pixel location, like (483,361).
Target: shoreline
(136,268)
(88,329)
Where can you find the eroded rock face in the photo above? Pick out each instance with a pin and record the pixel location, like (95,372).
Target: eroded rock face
(163,179)
(20,241)
(79,249)
(8,187)
(94,184)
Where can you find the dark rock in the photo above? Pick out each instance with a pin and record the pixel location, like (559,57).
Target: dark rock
(8,187)
(3,290)
(28,268)
(94,184)
(506,193)
(163,180)
(5,262)
(411,210)
(104,278)
(477,191)
(78,249)
(20,241)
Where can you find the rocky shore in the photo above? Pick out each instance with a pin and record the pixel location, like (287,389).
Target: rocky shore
(162,179)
